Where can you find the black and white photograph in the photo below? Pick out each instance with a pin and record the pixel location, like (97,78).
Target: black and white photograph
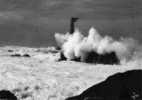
(70,49)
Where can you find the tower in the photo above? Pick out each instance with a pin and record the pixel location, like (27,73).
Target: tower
(72,24)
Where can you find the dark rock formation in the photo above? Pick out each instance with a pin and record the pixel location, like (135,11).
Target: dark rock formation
(7,95)
(19,55)
(121,86)
(106,58)
(15,55)
(26,55)
(10,51)
(93,57)
(62,57)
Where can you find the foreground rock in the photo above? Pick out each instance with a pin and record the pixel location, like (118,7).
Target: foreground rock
(7,95)
(121,86)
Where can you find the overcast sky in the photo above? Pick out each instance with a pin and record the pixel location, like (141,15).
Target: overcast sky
(34,22)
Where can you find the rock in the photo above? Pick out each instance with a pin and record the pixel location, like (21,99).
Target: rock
(106,58)
(121,86)
(15,55)
(62,57)
(10,50)
(7,95)
(93,57)
(19,55)
(26,55)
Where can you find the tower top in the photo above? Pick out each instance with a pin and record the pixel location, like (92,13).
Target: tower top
(74,19)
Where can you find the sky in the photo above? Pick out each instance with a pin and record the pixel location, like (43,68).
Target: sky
(34,22)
